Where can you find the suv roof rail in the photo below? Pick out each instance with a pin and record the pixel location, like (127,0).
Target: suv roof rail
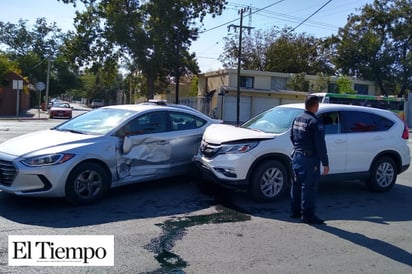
(158,102)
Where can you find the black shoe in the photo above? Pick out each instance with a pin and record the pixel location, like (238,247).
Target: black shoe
(313,221)
(295,215)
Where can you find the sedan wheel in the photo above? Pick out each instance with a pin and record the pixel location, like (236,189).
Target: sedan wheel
(270,180)
(383,175)
(87,183)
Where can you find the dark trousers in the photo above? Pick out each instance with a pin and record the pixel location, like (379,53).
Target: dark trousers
(304,185)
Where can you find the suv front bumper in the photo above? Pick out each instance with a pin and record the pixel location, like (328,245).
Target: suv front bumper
(217,176)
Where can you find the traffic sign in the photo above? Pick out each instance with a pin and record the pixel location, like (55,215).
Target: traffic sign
(40,86)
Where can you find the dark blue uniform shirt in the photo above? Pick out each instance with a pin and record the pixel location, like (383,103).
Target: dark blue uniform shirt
(308,137)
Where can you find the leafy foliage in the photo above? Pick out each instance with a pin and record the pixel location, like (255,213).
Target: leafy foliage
(277,50)
(376,45)
(298,82)
(6,65)
(31,50)
(345,85)
(156,35)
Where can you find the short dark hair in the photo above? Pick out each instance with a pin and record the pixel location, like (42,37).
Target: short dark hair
(311,101)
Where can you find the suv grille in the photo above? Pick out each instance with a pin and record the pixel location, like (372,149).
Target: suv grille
(7,172)
(209,150)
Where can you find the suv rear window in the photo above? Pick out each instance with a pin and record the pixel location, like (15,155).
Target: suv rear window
(357,121)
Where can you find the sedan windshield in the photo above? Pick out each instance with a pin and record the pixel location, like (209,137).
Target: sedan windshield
(275,120)
(97,122)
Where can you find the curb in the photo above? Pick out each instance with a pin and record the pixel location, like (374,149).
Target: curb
(22,118)
(31,114)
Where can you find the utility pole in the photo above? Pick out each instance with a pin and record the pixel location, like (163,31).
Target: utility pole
(241,11)
(47,82)
(177,66)
(177,73)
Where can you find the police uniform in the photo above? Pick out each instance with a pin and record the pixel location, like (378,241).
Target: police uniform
(308,139)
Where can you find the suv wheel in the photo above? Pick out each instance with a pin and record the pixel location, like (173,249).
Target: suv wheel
(269,181)
(383,175)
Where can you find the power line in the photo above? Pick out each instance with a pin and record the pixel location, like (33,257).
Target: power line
(258,10)
(301,23)
(296,19)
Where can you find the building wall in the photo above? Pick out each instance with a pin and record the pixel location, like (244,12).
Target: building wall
(8,97)
(263,95)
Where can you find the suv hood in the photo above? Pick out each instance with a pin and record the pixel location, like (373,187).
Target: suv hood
(218,134)
(41,140)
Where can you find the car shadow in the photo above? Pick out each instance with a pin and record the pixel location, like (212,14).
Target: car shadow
(344,201)
(337,201)
(144,200)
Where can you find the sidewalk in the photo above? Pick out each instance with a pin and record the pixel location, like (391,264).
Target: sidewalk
(31,114)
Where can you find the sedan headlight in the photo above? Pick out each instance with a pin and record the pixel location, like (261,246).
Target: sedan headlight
(237,147)
(47,160)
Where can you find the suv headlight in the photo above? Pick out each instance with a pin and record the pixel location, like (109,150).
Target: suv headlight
(47,160)
(238,147)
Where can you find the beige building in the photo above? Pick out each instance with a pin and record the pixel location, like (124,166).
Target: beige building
(259,91)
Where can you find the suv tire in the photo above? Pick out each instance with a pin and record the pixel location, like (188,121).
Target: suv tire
(383,175)
(269,181)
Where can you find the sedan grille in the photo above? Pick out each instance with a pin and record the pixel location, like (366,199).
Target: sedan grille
(209,150)
(7,172)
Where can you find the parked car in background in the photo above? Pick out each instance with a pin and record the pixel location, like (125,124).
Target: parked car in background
(108,147)
(97,103)
(60,110)
(52,101)
(363,144)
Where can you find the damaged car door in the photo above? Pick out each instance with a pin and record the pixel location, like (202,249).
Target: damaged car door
(146,150)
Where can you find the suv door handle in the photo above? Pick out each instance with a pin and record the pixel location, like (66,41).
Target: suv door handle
(340,141)
(163,142)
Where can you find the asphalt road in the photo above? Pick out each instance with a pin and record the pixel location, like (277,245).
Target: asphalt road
(173,226)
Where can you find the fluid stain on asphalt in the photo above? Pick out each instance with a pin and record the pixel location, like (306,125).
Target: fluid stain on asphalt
(175,229)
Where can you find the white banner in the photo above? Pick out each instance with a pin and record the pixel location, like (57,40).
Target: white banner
(61,250)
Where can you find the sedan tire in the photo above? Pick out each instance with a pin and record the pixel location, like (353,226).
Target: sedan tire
(269,181)
(383,175)
(87,183)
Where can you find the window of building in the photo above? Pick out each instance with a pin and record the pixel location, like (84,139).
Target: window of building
(361,89)
(332,88)
(278,83)
(247,81)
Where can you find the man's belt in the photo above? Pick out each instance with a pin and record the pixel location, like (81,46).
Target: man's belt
(306,153)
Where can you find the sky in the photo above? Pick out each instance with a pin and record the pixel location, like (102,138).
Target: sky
(328,17)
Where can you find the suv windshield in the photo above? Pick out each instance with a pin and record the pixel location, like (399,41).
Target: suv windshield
(276,120)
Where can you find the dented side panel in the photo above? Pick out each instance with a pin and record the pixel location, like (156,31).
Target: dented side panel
(143,157)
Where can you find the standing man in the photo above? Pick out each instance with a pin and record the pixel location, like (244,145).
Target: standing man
(308,139)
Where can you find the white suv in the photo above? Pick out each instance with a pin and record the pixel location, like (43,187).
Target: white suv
(363,144)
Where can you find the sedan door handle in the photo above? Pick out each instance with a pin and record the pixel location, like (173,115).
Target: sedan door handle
(340,141)
(163,142)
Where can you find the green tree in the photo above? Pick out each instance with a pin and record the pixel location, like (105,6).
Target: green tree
(321,83)
(345,85)
(156,35)
(376,45)
(6,65)
(254,48)
(31,50)
(295,53)
(298,82)
(278,50)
